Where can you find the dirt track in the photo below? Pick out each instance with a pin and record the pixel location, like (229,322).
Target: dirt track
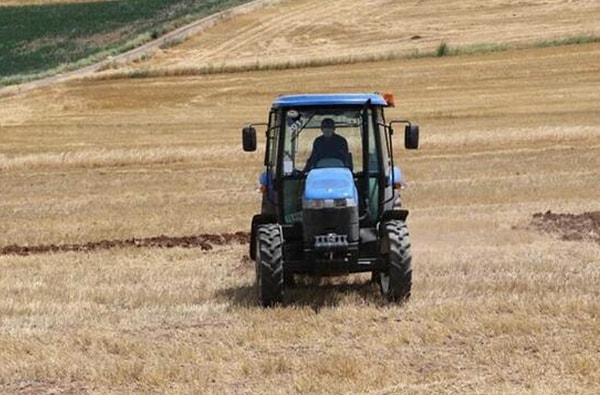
(579,227)
(204,241)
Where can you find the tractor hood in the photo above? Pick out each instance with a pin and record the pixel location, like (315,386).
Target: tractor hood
(330,183)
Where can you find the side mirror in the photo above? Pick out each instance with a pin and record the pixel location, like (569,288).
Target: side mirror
(411,136)
(249,139)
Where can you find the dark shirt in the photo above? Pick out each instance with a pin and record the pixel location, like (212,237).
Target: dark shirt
(335,147)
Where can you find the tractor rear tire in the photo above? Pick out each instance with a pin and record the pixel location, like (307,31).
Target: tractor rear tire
(269,265)
(396,281)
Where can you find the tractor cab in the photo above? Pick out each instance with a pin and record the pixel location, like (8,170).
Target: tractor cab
(329,186)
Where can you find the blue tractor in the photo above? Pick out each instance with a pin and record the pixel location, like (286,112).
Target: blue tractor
(331,194)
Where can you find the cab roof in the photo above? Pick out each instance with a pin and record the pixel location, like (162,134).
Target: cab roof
(346,99)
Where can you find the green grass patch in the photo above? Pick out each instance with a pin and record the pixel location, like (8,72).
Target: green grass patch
(40,40)
(442,50)
(567,41)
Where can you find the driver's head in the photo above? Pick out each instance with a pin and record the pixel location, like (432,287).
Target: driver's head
(327,127)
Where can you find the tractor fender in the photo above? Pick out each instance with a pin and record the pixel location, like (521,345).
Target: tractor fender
(399,214)
(258,219)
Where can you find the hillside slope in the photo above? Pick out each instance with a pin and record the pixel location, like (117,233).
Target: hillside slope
(49,38)
(289,32)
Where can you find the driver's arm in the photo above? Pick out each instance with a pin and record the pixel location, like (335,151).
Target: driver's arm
(314,155)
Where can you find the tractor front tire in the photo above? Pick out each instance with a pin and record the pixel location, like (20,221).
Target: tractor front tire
(396,281)
(269,265)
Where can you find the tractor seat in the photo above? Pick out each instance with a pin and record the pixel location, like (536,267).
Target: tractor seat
(329,162)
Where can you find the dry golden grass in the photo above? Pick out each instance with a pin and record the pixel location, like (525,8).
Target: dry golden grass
(304,32)
(496,307)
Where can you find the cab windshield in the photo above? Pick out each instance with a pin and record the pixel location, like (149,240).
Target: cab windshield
(304,134)
(347,146)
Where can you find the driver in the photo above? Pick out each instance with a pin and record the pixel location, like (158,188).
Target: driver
(329,145)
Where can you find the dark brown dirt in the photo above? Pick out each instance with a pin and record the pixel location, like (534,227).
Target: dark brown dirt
(570,227)
(204,242)
(579,227)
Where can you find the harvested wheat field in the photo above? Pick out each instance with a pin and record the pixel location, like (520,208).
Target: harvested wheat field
(304,32)
(126,202)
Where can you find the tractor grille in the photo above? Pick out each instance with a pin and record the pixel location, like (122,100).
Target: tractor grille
(336,227)
(331,242)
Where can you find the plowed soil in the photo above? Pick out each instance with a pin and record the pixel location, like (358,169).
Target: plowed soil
(580,227)
(570,227)
(204,241)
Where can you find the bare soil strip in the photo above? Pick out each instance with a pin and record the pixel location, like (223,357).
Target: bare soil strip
(570,227)
(205,242)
